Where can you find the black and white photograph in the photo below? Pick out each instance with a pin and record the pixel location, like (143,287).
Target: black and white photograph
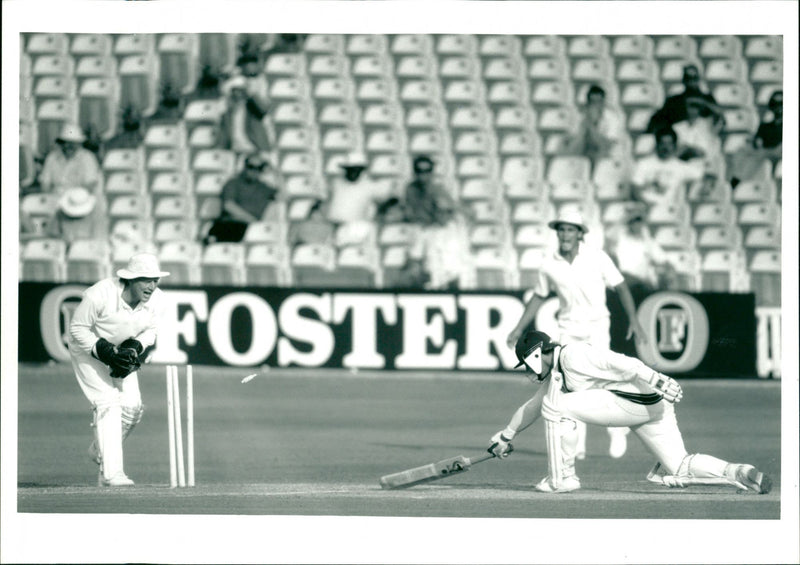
(341,281)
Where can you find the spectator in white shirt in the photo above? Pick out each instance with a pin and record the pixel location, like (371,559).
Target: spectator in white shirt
(601,132)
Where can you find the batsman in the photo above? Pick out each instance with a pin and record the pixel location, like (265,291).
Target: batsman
(111,331)
(601,387)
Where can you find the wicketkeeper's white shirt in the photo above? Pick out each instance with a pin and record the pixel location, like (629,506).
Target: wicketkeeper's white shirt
(103,313)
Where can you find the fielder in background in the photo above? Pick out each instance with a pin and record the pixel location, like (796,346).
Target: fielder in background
(598,386)
(579,274)
(111,331)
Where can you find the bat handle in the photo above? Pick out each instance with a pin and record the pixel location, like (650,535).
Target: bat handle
(482,457)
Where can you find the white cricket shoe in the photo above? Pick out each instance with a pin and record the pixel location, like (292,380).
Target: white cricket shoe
(94,453)
(568,484)
(118,480)
(618,445)
(753,479)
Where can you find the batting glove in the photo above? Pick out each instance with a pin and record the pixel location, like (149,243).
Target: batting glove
(667,387)
(501,445)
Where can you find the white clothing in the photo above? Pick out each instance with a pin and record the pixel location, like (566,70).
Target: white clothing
(671,177)
(446,252)
(638,256)
(607,389)
(580,285)
(103,313)
(239,140)
(700,134)
(355,201)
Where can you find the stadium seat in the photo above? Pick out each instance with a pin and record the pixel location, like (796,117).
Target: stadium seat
(382,115)
(54,87)
(420,91)
(88,260)
(517,117)
(176,230)
(594,46)
(566,168)
(97,106)
(725,71)
(504,93)
(166,160)
(611,179)
(53,65)
(687,269)
(633,47)
(203,137)
(165,136)
(458,68)
(544,46)
(411,44)
(51,115)
(337,89)
(96,66)
(209,184)
(553,93)
(711,237)
(385,141)
(502,69)
(337,114)
(533,235)
(637,70)
(138,83)
(375,90)
(733,95)
(563,119)
(324,43)
(762,237)
(713,214)
(371,66)
(39,207)
(203,112)
(549,69)
(638,120)
(126,230)
(130,206)
(388,165)
(474,143)
(47,44)
(592,71)
(357,266)
(122,251)
(764,47)
(181,258)
(459,92)
(326,65)
(174,206)
(759,214)
(490,46)
(290,89)
(516,143)
(765,277)
(755,191)
(495,268)
(296,139)
(521,169)
(285,65)
(427,142)
(532,211)
(478,188)
(571,191)
(292,113)
(492,235)
(767,71)
(366,44)
(217,51)
(470,117)
(675,47)
(469,166)
(670,214)
(720,47)
(674,238)
(720,270)
(530,263)
(266,265)
(214,161)
(208,209)
(43,260)
(134,44)
(177,53)
(124,182)
(456,45)
(223,264)
(312,263)
(641,94)
(415,67)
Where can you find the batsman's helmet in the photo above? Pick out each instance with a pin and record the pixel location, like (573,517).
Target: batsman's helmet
(529,350)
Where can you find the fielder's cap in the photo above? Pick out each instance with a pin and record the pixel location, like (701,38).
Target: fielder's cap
(529,350)
(76,202)
(571,217)
(142,265)
(353,160)
(71,133)
(423,164)
(635,213)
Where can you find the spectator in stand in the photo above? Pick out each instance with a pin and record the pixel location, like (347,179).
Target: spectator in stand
(131,136)
(663,178)
(674,109)
(242,128)
(68,164)
(601,132)
(699,136)
(640,258)
(77,217)
(316,228)
(246,198)
(208,85)
(440,257)
(170,107)
(767,143)
(353,200)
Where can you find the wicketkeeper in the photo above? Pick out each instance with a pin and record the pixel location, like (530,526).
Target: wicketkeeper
(601,387)
(111,332)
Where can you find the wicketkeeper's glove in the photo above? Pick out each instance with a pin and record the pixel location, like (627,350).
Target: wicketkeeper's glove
(122,361)
(667,387)
(501,446)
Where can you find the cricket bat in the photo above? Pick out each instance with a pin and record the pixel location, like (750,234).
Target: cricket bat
(432,471)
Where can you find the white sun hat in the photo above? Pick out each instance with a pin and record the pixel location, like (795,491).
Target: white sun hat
(76,202)
(354,159)
(572,217)
(71,133)
(142,265)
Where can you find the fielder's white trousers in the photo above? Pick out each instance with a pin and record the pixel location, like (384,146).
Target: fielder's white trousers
(655,424)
